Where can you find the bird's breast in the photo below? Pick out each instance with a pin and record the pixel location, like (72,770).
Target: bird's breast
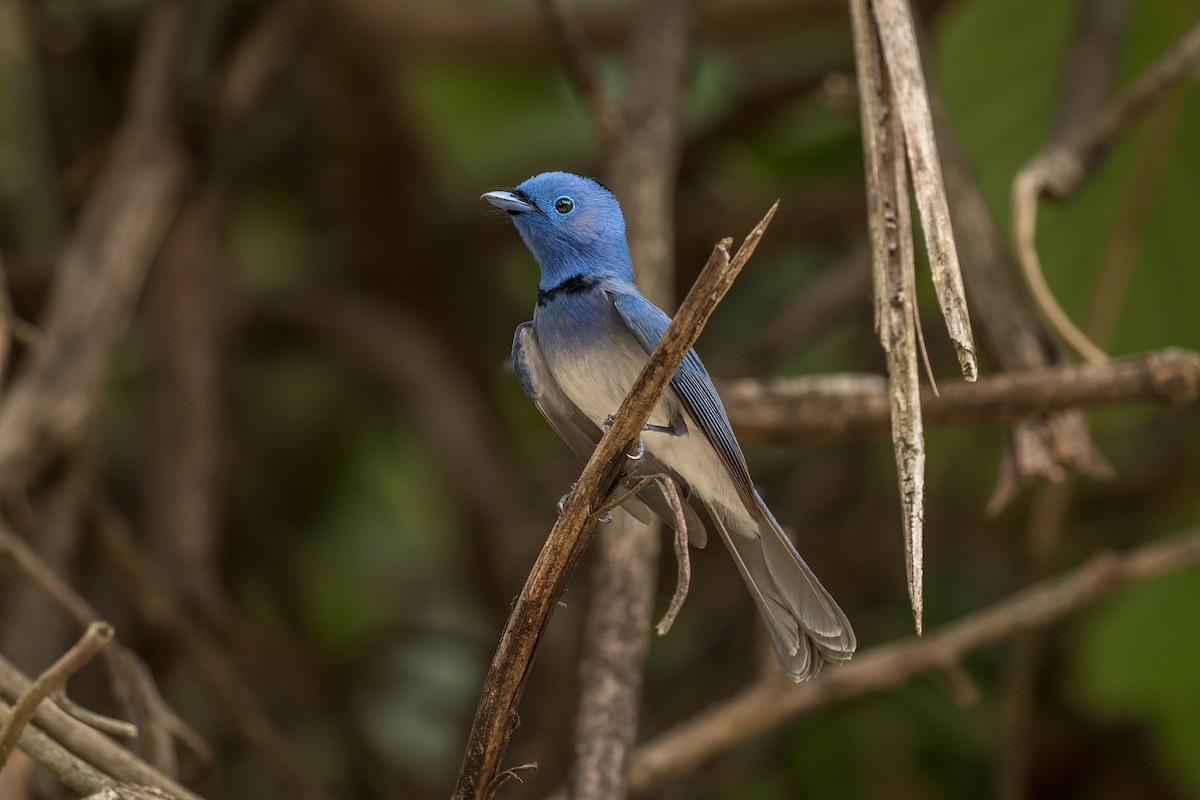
(591,354)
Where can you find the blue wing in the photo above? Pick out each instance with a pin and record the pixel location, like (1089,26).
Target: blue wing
(647,322)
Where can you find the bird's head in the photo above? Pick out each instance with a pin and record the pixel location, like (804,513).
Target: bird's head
(572,225)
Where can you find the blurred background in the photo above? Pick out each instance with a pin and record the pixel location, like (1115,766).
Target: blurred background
(307,439)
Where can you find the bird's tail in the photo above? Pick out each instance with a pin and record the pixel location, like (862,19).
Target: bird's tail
(806,625)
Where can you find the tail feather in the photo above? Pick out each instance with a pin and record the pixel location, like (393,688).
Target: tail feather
(806,625)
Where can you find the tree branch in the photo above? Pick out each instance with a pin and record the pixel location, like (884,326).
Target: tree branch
(1059,170)
(96,752)
(834,408)
(505,682)
(770,703)
(97,635)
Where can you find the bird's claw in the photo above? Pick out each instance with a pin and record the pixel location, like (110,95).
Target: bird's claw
(562,501)
(605,519)
(641,446)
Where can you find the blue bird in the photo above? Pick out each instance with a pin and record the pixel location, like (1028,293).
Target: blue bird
(591,334)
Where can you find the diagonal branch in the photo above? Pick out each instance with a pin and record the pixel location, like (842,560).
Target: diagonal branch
(1059,170)
(505,682)
(97,635)
(769,704)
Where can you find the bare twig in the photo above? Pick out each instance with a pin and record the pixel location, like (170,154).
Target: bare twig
(894,284)
(834,408)
(506,677)
(682,558)
(51,682)
(772,702)
(113,727)
(93,747)
(1059,170)
(73,771)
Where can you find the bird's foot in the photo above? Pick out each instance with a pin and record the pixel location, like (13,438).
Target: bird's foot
(562,501)
(637,454)
(605,517)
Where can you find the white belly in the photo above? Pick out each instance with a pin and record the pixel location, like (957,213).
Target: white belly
(597,381)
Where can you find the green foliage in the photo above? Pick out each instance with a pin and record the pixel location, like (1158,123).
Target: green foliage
(1137,660)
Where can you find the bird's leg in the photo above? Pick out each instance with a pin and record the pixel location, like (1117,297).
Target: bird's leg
(677,428)
(684,578)
(633,488)
(562,501)
(605,515)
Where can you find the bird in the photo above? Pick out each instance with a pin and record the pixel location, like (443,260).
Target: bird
(592,332)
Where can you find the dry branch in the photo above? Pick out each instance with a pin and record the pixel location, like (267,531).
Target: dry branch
(1059,170)
(97,635)
(894,283)
(505,682)
(834,408)
(910,102)
(772,703)
(57,730)
(73,771)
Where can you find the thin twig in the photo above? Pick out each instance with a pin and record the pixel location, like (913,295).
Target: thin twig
(97,750)
(109,725)
(97,635)
(509,670)
(683,559)
(772,702)
(814,410)
(1059,170)
(75,772)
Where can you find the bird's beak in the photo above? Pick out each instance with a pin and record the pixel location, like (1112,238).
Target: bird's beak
(511,200)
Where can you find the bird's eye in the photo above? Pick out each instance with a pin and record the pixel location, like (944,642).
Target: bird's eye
(564,205)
